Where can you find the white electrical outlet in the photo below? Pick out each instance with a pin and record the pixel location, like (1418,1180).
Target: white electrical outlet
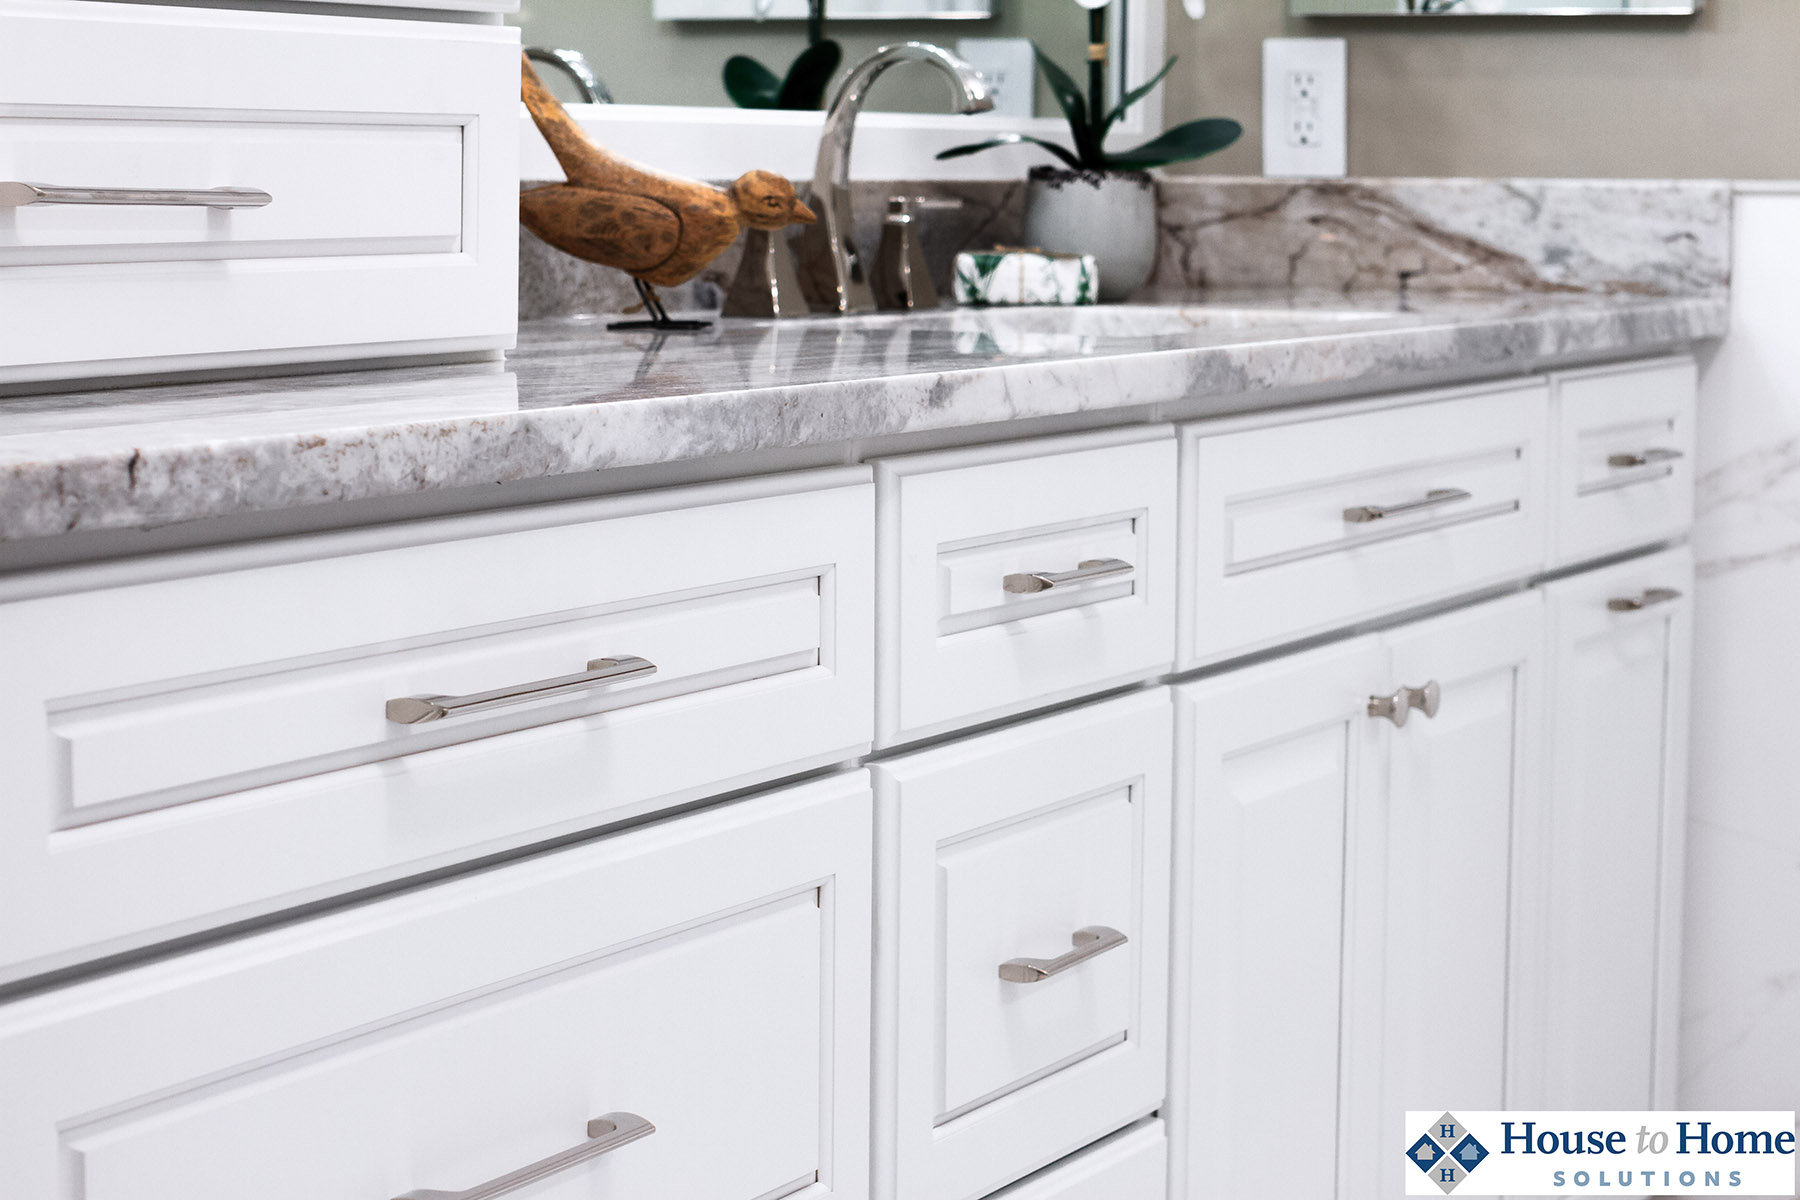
(1305,98)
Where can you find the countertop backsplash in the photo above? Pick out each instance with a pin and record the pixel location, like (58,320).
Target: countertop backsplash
(1650,238)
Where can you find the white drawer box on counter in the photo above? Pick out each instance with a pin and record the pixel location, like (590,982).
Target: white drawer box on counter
(219,740)
(1299,528)
(1624,472)
(1014,576)
(731,1013)
(1021,994)
(387,150)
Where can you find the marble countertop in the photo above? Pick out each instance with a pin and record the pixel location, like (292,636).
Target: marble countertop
(575,398)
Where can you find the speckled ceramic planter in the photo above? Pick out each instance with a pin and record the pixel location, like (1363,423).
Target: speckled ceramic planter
(1110,215)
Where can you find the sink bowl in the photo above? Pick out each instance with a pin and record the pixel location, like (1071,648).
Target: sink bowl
(1149,320)
(1034,332)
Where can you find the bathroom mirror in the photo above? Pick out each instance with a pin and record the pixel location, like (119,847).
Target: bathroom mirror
(671,108)
(1494,8)
(674,51)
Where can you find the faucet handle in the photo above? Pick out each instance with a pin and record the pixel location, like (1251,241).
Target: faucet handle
(901,209)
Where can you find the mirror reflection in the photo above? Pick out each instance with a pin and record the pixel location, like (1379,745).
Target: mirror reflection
(720,53)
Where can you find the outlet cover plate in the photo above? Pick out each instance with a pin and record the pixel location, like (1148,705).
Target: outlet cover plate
(1306,84)
(1009,67)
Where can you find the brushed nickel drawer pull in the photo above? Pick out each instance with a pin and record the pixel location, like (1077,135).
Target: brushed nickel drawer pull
(415,710)
(1363,513)
(603,1134)
(23,195)
(1027,582)
(1090,942)
(1406,700)
(1643,458)
(1643,599)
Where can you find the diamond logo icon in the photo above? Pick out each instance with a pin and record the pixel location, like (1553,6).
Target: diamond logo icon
(1424,1153)
(1446,1152)
(1468,1153)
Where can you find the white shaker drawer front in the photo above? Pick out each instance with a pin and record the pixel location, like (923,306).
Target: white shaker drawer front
(1015,576)
(1025,959)
(185,747)
(223,188)
(1294,530)
(1132,1164)
(705,976)
(1624,457)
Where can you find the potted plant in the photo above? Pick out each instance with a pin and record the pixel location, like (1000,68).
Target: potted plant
(1099,202)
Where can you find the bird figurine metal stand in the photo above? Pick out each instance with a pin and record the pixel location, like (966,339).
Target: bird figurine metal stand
(659,229)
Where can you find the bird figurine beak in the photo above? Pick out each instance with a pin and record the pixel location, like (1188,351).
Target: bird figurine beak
(802,214)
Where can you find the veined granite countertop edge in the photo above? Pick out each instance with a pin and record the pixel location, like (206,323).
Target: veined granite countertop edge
(575,399)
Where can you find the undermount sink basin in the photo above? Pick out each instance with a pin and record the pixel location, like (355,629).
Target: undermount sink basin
(1050,331)
(1148,320)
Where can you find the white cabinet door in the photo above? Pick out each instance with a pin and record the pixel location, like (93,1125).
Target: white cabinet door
(1274,760)
(1342,901)
(1426,977)
(1595,1020)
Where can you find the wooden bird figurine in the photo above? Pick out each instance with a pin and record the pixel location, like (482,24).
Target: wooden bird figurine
(660,229)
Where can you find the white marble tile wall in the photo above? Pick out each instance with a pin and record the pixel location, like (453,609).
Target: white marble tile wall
(1741,1001)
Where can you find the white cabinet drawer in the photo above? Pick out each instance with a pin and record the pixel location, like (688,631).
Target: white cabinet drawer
(1624,473)
(1024,960)
(1297,529)
(387,149)
(1130,1165)
(975,623)
(729,1011)
(218,741)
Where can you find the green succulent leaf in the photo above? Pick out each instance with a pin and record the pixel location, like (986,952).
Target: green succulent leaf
(810,75)
(1011,139)
(1074,107)
(1196,139)
(1132,97)
(750,84)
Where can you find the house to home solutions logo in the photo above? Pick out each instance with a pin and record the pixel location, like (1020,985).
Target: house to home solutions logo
(1446,1153)
(1608,1153)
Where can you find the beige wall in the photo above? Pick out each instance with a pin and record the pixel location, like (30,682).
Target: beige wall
(1717,96)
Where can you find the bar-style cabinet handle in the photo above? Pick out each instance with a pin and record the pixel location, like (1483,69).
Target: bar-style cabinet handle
(415,710)
(603,1134)
(1088,568)
(1090,942)
(1406,700)
(1435,498)
(24,195)
(1644,599)
(1643,458)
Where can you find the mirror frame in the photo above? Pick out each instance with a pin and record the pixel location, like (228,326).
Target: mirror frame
(1545,8)
(722,143)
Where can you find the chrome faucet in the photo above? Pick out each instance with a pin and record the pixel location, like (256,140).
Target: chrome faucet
(574,64)
(832,274)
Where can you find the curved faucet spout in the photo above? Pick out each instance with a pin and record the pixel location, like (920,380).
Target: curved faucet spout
(831,271)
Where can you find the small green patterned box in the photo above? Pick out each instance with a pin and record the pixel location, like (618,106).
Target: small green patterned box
(1008,276)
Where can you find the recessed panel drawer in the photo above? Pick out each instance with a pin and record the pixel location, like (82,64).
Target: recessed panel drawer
(1018,575)
(219,187)
(1295,529)
(1130,1165)
(1624,457)
(566,1001)
(1025,958)
(236,736)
